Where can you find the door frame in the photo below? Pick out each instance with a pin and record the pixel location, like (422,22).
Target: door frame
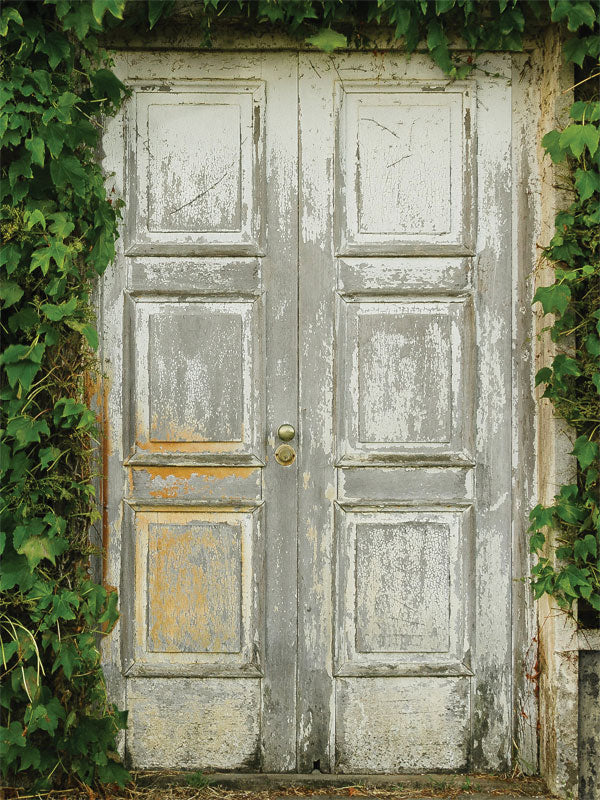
(526,216)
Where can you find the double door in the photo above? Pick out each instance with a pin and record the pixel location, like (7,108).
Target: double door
(322,242)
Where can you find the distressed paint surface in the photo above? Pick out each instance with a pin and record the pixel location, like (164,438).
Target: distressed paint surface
(398,725)
(402,587)
(404,378)
(194,588)
(194,724)
(411,148)
(366,643)
(190,394)
(196,173)
(404,172)
(411,384)
(194,169)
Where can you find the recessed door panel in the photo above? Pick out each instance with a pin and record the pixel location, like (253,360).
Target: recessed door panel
(197,168)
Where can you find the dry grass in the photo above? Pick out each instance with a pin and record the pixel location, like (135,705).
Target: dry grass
(168,786)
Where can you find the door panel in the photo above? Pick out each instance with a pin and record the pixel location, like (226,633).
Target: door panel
(207,559)
(196,171)
(322,241)
(404,633)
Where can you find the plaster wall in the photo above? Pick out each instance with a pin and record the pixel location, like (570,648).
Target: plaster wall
(560,706)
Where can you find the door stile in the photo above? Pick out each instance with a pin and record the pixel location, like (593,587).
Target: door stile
(492,637)
(317,482)
(279,268)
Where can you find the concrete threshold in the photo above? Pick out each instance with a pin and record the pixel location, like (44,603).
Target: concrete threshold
(473,786)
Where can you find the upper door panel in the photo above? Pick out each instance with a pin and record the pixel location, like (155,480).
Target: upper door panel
(405,168)
(196,172)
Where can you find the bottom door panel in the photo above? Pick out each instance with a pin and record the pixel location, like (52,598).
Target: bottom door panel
(183,723)
(397,725)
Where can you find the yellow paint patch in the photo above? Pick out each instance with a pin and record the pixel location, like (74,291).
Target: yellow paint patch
(169,482)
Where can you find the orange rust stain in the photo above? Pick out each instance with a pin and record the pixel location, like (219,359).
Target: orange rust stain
(168,482)
(192,609)
(187,447)
(105,445)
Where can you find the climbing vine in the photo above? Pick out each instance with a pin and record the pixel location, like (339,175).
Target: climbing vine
(58,233)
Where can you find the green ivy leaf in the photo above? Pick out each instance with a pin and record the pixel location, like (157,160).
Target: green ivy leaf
(554,299)
(159,8)
(564,365)
(327,40)
(587,110)
(9,15)
(106,84)
(35,217)
(114,7)
(37,548)
(58,312)
(586,182)
(36,147)
(577,137)
(585,450)
(69,172)
(10,293)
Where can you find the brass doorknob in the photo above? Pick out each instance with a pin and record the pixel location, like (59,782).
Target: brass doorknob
(286,432)
(285,455)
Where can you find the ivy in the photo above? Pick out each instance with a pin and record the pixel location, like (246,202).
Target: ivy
(58,231)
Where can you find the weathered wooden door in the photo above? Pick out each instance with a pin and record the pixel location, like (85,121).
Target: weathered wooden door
(322,241)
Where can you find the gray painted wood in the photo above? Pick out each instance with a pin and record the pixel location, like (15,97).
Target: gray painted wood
(407,368)
(207,639)
(365,625)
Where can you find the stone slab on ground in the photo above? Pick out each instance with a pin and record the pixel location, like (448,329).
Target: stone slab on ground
(382,787)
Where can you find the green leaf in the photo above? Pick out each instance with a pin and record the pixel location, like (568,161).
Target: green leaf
(586,182)
(58,312)
(36,147)
(10,255)
(585,450)
(10,293)
(35,217)
(114,7)
(67,659)
(327,40)
(9,15)
(62,225)
(36,548)
(554,299)
(26,430)
(56,46)
(579,14)
(575,50)
(551,142)
(541,516)
(159,8)
(565,365)
(592,345)
(587,110)
(106,84)
(577,137)
(69,172)
(54,138)
(48,455)
(543,375)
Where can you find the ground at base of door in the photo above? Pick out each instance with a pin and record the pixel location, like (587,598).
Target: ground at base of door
(164,785)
